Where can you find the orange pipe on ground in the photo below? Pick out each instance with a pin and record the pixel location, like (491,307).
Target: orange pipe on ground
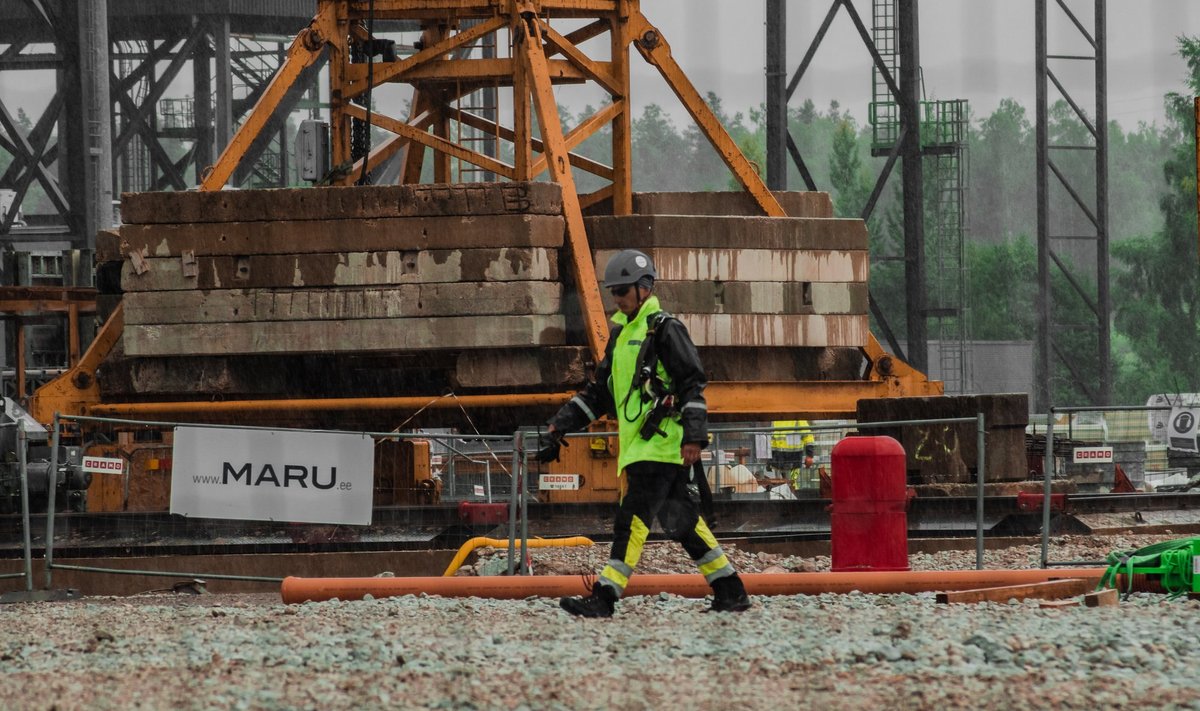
(296,590)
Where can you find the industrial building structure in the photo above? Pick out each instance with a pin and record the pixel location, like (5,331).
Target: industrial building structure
(257,297)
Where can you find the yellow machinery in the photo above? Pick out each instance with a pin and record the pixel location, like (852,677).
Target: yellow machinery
(539,58)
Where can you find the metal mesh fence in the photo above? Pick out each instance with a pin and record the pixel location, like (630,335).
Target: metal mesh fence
(1097,452)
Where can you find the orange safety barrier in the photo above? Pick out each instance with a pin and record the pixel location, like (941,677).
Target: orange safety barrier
(296,590)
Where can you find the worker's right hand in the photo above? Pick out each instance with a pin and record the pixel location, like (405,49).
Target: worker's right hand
(550,446)
(808,461)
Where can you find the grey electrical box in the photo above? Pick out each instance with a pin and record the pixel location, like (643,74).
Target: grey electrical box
(312,150)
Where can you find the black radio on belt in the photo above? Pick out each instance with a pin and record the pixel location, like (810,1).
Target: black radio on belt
(663,407)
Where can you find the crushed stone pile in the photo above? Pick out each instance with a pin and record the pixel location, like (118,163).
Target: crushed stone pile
(851,651)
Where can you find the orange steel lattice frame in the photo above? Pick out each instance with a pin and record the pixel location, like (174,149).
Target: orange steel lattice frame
(539,57)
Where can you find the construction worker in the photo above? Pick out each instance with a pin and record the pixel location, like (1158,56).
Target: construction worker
(792,444)
(652,381)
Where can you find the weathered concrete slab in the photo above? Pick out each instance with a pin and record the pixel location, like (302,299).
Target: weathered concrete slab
(343,269)
(762,297)
(947,453)
(754,330)
(108,246)
(794,203)
(513,368)
(347,336)
(414,300)
(363,235)
(680,264)
(187,375)
(324,203)
(649,231)
(780,364)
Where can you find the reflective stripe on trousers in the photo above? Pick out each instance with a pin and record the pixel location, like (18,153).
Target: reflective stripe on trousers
(657,489)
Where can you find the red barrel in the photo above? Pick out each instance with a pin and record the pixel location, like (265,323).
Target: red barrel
(870,526)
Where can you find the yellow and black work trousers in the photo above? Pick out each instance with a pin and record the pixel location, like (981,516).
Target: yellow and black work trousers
(660,489)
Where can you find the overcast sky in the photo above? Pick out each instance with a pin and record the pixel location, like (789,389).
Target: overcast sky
(980,50)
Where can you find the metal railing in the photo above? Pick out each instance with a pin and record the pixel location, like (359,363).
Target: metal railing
(521,443)
(1095,432)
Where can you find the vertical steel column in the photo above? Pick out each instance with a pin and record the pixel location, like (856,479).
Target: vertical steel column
(97,135)
(512,501)
(202,109)
(1103,299)
(224,74)
(913,174)
(777,126)
(1045,304)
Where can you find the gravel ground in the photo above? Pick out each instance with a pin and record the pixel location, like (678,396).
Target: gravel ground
(831,651)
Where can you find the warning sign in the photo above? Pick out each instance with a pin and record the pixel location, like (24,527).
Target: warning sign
(104,465)
(1182,429)
(560,482)
(1092,455)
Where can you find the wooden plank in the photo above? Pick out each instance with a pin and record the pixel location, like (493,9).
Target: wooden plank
(346,336)
(1102,598)
(1050,590)
(754,330)
(344,269)
(693,232)
(340,235)
(510,368)
(722,264)
(761,297)
(780,364)
(795,203)
(411,300)
(323,203)
(1058,604)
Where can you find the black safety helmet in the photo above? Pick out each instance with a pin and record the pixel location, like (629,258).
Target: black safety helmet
(627,267)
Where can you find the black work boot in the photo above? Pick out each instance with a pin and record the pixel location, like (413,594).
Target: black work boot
(729,595)
(599,604)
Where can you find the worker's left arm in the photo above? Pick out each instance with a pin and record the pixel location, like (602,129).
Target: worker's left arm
(682,363)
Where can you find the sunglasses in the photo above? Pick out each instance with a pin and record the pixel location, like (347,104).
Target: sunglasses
(620,290)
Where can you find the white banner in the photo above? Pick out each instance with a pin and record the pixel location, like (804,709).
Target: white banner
(273,475)
(1092,455)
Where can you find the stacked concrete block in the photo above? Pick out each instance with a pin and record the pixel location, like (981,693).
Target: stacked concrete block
(417,289)
(759,289)
(234,276)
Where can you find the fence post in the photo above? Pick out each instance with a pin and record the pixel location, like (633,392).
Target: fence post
(524,486)
(1048,471)
(981,472)
(512,503)
(51,493)
(25,524)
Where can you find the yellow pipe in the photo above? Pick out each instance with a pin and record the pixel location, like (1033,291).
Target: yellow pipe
(480,541)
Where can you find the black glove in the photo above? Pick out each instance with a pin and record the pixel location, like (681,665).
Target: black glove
(550,445)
